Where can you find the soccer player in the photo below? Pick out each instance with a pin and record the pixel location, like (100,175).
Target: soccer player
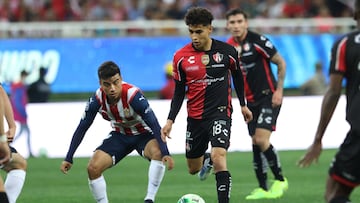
(264,97)
(344,172)
(202,72)
(135,127)
(16,167)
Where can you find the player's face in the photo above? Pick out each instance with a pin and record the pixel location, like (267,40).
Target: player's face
(200,36)
(112,87)
(237,25)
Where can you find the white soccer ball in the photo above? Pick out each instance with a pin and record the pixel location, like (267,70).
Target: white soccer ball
(191,198)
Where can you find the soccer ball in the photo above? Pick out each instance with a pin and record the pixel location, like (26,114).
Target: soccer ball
(191,198)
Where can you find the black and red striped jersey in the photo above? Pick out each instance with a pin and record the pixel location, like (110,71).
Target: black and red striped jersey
(345,59)
(255,53)
(206,78)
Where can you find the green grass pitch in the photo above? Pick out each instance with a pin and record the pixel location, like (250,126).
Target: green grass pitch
(127,182)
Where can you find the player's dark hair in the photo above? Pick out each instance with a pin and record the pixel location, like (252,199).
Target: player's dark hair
(236,11)
(108,69)
(198,16)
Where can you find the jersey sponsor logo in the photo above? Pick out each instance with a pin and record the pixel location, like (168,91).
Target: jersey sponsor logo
(192,68)
(191,59)
(205,59)
(357,39)
(218,57)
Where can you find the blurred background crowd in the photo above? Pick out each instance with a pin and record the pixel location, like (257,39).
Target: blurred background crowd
(125,10)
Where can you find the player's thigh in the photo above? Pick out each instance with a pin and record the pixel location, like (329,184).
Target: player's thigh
(100,161)
(152,150)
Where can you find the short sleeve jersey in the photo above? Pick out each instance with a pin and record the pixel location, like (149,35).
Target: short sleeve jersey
(207,77)
(345,59)
(255,53)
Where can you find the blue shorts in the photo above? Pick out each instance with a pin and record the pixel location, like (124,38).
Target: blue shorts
(118,145)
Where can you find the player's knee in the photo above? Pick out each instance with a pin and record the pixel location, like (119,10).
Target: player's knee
(94,170)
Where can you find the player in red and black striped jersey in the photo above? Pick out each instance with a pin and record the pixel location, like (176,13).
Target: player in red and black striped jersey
(344,172)
(264,95)
(135,127)
(202,71)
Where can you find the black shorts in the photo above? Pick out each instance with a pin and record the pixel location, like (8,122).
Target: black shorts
(345,167)
(118,145)
(264,116)
(200,132)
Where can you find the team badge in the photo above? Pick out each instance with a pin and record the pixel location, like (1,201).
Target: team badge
(127,112)
(205,59)
(246,47)
(218,57)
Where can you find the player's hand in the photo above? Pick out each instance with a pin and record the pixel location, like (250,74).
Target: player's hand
(248,116)
(169,161)
(65,167)
(277,98)
(165,131)
(312,155)
(5,153)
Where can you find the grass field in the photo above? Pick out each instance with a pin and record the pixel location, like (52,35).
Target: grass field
(127,181)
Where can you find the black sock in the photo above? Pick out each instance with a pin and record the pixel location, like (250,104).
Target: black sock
(340,199)
(274,162)
(223,186)
(3,198)
(260,167)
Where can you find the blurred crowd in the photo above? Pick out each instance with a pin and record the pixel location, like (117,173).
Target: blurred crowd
(121,10)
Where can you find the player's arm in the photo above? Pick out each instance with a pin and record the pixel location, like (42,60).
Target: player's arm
(87,119)
(141,106)
(281,70)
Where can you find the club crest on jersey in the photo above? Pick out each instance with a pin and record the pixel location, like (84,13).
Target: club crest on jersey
(205,59)
(127,112)
(246,47)
(218,57)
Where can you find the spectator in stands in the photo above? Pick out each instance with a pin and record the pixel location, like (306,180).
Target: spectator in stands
(19,101)
(39,91)
(316,85)
(167,91)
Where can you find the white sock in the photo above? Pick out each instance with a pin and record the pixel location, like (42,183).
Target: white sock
(98,189)
(14,183)
(156,174)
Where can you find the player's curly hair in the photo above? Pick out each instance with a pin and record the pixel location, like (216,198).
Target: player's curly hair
(198,16)
(108,69)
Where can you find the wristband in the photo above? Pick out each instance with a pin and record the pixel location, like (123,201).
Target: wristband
(3,138)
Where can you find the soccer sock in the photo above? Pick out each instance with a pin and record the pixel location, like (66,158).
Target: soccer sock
(274,162)
(340,199)
(98,189)
(223,185)
(14,183)
(260,167)
(155,174)
(3,197)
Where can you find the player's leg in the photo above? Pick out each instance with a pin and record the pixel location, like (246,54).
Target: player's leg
(3,196)
(156,170)
(16,173)
(344,171)
(28,139)
(99,162)
(337,192)
(220,142)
